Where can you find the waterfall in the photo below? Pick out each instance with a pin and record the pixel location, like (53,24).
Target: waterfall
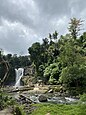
(19,74)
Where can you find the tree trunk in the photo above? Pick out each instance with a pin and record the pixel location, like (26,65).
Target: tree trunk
(6,73)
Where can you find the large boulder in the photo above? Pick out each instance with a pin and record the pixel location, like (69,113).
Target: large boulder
(42,98)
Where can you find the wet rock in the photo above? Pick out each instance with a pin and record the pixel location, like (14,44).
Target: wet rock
(42,98)
(24,99)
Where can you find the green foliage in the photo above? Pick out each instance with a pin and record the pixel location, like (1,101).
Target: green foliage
(51,73)
(73,66)
(52,80)
(83,98)
(41,71)
(70,54)
(44,54)
(18,61)
(74,76)
(5,100)
(18,110)
(35,51)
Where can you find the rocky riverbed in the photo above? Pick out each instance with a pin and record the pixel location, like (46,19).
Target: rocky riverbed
(40,94)
(29,95)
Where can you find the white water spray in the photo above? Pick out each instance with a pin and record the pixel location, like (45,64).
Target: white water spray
(19,74)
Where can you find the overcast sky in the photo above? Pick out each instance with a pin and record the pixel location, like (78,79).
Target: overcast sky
(23,22)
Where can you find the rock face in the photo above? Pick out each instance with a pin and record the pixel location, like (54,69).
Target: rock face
(28,77)
(42,98)
(29,71)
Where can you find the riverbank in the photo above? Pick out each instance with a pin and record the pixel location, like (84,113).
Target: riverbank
(59,109)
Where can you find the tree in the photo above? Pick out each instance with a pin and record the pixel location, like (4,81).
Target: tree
(74,27)
(68,54)
(45,42)
(82,43)
(6,63)
(74,76)
(73,65)
(35,53)
(51,73)
(55,35)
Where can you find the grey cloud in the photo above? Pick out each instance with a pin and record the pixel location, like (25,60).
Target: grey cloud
(55,10)
(78,6)
(52,11)
(54,7)
(14,37)
(23,22)
(17,11)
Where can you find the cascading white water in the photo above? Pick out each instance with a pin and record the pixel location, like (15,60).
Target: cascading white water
(19,74)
